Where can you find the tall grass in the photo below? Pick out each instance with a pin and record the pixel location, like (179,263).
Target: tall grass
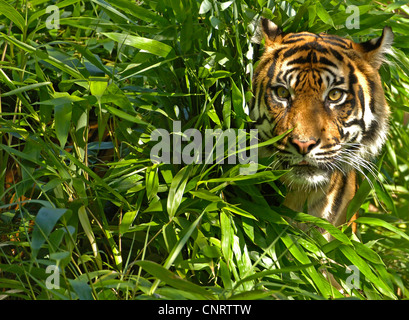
(85,214)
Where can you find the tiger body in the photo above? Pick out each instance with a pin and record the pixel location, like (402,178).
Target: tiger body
(327,89)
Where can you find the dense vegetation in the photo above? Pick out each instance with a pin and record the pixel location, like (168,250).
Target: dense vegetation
(82,90)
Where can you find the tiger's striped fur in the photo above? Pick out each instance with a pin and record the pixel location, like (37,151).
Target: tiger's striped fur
(328,90)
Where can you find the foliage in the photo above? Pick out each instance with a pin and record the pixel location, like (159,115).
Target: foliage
(78,189)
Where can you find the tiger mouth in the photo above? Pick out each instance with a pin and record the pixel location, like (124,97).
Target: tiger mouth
(303,163)
(306,176)
(306,169)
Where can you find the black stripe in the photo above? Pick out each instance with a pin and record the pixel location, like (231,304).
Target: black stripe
(331,187)
(359,122)
(352,79)
(324,60)
(314,57)
(302,34)
(271,69)
(326,153)
(361,99)
(291,41)
(307,46)
(372,89)
(339,82)
(329,71)
(290,52)
(327,146)
(372,133)
(301,77)
(340,195)
(332,37)
(371,44)
(288,73)
(311,57)
(340,130)
(279,76)
(337,55)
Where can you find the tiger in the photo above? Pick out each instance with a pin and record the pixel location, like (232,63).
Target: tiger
(327,90)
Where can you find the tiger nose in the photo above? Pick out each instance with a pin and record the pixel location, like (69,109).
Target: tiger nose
(303,147)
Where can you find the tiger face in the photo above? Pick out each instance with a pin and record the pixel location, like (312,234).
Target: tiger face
(326,89)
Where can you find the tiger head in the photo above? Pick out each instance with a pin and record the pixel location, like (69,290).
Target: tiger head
(327,89)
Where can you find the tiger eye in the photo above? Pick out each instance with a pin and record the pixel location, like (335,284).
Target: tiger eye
(282,92)
(335,94)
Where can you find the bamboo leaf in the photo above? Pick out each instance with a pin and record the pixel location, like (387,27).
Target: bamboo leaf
(323,14)
(62,115)
(11,13)
(86,226)
(82,289)
(177,189)
(171,279)
(25,88)
(152,182)
(366,270)
(177,249)
(381,223)
(45,221)
(152,46)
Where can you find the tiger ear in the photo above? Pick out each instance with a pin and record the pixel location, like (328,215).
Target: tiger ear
(374,50)
(272,33)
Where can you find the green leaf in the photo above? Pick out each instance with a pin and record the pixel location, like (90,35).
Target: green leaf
(259,177)
(265,273)
(11,13)
(363,267)
(334,231)
(86,226)
(44,56)
(324,15)
(237,99)
(97,86)
(62,115)
(299,254)
(205,7)
(60,100)
(238,211)
(25,88)
(82,289)
(171,279)
(177,189)
(125,116)
(44,224)
(206,194)
(242,258)
(140,13)
(227,233)
(359,198)
(153,46)
(367,253)
(152,182)
(92,58)
(177,249)
(182,241)
(127,220)
(381,223)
